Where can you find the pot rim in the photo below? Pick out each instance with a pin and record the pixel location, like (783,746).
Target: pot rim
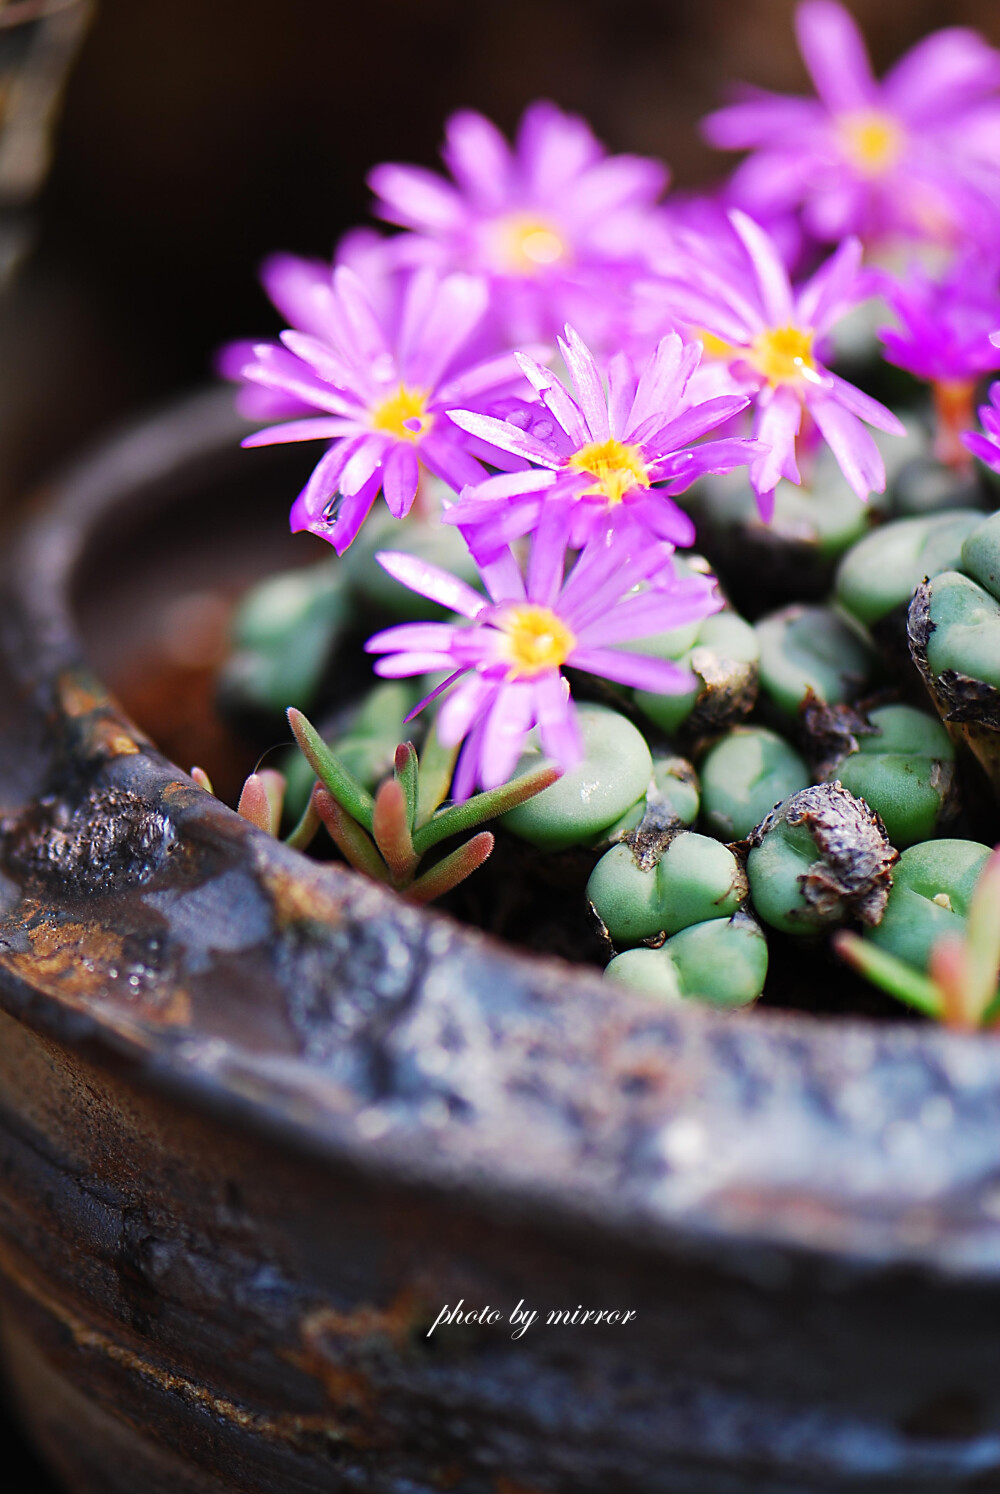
(763,1136)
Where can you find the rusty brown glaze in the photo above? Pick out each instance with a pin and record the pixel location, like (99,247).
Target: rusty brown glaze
(260,1121)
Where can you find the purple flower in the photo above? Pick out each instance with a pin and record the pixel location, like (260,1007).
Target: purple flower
(944,337)
(771,333)
(383,383)
(599,455)
(505,662)
(985,444)
(915,155)
(945,324)
(554,223)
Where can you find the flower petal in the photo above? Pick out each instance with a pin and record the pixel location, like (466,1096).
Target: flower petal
(507,724)
(478,157)
(852,444)
(589,389)
(641,671)
(315,428)
(829,290)
(772,277)
(416,198)
(504,435)
(833,50)
(558,727)
(431,581)
(776,426)
(400,475)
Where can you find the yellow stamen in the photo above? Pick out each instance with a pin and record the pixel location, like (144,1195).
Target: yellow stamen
(871,140)
(616,466)
(537,640)
(784,355)
(528,245)
(404,414)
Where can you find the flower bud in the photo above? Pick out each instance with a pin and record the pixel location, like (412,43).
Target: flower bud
(821,857)
(744,776)
(932,887)
(905,771)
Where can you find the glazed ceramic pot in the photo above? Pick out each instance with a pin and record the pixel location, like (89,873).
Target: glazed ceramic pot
(260,1122)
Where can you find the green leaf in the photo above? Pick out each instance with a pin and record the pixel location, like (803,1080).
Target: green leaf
(482,807)
(343,785)
(451,869)
(891,974)
(437,765)
(391,831)
(407,771)
(349,837)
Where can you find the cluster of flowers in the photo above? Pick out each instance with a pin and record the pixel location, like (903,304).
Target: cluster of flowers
(675,320)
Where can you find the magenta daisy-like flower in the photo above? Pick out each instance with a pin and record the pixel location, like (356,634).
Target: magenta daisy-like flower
(944,337)
(768,334)
(554,223)
(985,444)
(382,384)
(944,324)
(913,156)
(505,660)
(599,455)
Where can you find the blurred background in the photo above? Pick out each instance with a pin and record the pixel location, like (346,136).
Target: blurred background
(196,135)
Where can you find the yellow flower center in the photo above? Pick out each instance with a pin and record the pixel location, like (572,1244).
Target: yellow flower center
(872,141)
(782,354)
(616,466)
(404,414)
(528,245)
(537,640)
(714,347)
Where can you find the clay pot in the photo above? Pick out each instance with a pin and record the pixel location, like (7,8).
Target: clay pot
(260,1121)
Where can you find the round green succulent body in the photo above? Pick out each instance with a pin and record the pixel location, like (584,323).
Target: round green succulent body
(811,651)
(614,773)
(284,633)
(694,879)
(819,858)
(744,776)
(882,571)
(964,636)
(719,962)
(904,771)
(673,790)
(981,555)
(932,887)
(723,655)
